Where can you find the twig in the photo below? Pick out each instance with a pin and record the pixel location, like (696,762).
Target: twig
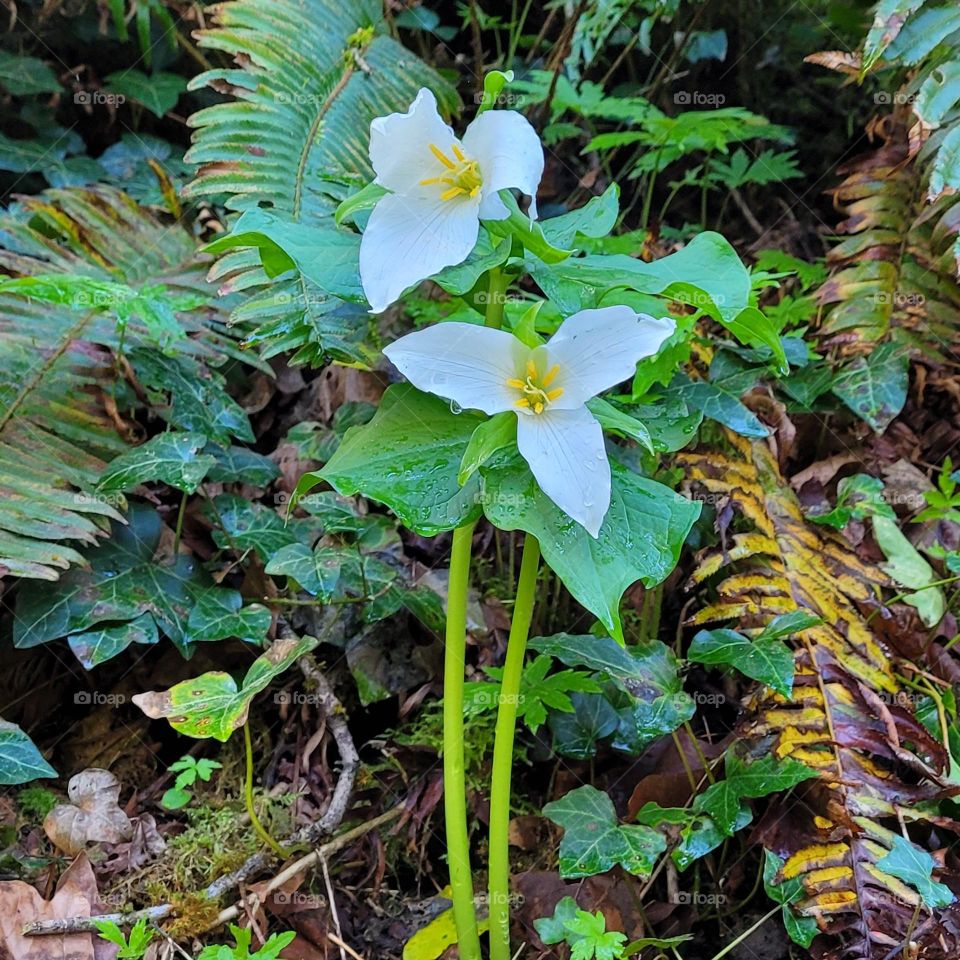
(349,758)
(333,938)
(89,924)
(317,856)
(333,908)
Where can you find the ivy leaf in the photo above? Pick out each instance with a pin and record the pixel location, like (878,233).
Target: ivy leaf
(575,734)
(912,864)
(220,613)
(720,400)
(212,705)
(244,525)
(158,92)
(408,457)
(172,458)
(769,661)
(20,760)
(316,571)
(909,569)
(722,800)
(122,583)
(594,841)
(656,703)
(235,464)
(93,647)
(23,76)
(875,387)
(801,930)
(640,538)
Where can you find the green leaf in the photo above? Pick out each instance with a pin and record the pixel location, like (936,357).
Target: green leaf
(461,278)
(594,841)
(490,436)
(325,255)
(912,864)
(93,647)
(769,661)
(888,18)
(596,218)
(408,457)
(720,400)
(316,571)
(365,199)
(706,273)
(945,172)
(616,421)
(858,497)
(158,92)
(801,930)
(493,83)
(244,525)
(640,538)
(20,760)
(922,32)
(170,457)
(235,464)
(575,734)
(122,584)
(23,76)
(555,929)
(219,614)
(909,569)
(722,801)
(875,387)
(212,705)
(529,232)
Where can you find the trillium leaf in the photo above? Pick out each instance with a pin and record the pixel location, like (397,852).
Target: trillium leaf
(325,255)
(594,841)
(212,705)
(595,219)
(640,538)
(912,864)
(528,232)
(721,288)
(20,760)
(489,437)
(769,661)
(173,458)
(408,457)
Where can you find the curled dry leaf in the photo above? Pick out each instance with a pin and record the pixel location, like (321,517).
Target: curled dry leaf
(92,815)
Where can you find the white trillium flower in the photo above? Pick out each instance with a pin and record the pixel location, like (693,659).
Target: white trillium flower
(547,387)
(440,189)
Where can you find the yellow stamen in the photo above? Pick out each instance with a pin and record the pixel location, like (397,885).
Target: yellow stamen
(550,375)
(451,193)
(442,157)
(458,153)
(538,407)
(516,383)
(535,396)
(522,402)
(531,369)
(553,394)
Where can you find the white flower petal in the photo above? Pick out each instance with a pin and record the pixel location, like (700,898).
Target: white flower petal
(462,362)
(566,455)
(597,349)
(400,146)
(510,155)
(409,239)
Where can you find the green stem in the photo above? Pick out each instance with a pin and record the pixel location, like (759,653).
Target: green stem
(179,529)
(496,298)
(248,796)
(499,869)
(454,786)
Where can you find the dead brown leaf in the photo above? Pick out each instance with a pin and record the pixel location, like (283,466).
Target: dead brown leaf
(76,896)
(93,814)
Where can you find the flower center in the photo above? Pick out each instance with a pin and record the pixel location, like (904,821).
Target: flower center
(535,395)
(462,177)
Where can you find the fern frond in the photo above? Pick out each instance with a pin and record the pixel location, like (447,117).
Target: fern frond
(849,717)
(59,422)
(310,77)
